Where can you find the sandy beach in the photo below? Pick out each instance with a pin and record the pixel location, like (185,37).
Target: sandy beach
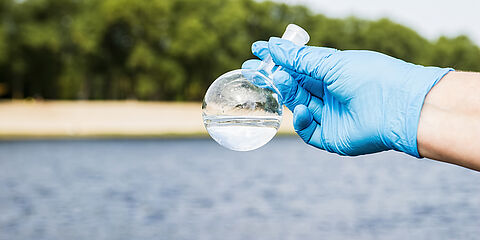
(37,119)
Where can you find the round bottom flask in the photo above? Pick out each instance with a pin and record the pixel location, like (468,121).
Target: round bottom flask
(242,109)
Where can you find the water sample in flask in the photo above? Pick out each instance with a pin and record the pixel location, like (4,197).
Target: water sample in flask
(242,109)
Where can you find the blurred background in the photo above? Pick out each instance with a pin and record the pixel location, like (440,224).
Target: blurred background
(101,135)
(171,50)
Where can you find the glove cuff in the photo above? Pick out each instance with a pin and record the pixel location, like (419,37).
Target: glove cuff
(422,79)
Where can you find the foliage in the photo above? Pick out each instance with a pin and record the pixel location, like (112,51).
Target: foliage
(174,49)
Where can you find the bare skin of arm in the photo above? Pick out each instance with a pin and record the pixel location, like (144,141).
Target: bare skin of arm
(449,127)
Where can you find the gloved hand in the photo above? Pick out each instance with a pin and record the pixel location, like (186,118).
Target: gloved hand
(350,102)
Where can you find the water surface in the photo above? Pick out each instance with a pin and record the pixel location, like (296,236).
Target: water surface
(195,189)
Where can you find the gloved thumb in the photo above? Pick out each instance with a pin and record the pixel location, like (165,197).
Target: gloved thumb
(303,122)
(303,59)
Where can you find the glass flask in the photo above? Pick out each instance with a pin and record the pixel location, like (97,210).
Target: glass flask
(242,109)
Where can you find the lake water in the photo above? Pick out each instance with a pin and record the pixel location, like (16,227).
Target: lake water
(195,189)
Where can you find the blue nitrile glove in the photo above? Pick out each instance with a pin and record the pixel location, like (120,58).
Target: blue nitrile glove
(350,102)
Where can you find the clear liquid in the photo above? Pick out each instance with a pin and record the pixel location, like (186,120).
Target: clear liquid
(244,133)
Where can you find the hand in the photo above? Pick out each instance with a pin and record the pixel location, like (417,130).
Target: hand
(350,102)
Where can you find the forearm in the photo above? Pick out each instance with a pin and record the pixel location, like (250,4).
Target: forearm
(449,126)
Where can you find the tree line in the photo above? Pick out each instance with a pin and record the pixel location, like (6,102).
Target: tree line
(173,49)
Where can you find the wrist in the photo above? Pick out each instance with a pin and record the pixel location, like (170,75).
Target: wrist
(448,129)
(404,132)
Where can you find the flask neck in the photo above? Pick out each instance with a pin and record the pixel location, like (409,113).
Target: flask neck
(268,67)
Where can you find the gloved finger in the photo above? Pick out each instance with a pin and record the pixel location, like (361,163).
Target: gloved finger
(315,86)
(260,49)
(305,60)
(251,64)
(316,107)
(306,126)
(292,93)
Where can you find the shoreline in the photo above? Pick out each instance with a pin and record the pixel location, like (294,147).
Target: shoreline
(21,120)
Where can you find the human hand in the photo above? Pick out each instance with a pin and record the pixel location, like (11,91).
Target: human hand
(350,102)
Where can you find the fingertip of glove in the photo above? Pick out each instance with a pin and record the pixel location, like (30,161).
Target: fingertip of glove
(251,64)
(256,44)
(260,48)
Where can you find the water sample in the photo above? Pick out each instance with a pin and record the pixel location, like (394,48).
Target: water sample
(242,109)
(242,133)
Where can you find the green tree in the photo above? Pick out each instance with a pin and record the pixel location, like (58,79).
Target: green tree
(458,52)
(174,49)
